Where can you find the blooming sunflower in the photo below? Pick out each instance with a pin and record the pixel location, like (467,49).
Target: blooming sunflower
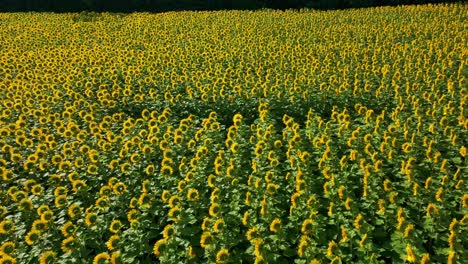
(48,257)
(102,258)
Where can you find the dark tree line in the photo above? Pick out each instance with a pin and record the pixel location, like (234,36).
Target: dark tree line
(166,5)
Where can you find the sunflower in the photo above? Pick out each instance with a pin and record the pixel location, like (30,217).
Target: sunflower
(68,244)
(119,188)
(18,196)
(65,166)
(144,200)
(102,258)
(105,190)
(6,226)
(7,175)
(39,225)
(32,236)
(357,221)
(68,229)
(78,185)
(275,225)
(222,256)
(115,226)
(113,164)
(214,209)
(205,223)
(150,169)
(192,195)
(37,189)
(102,203)
(25,204)
(8,247)
(60,190)
(92,169)
(48,257)
(168,231)
(47,216)
(5,259)
(159,246)
(307,226)
(252,233)
(91,219)
(174,214)
(60,201)
(167,170)
(74,210)
(124,168)
(218,225)
(303,246)
(206,240)
(116,257)
(113,242)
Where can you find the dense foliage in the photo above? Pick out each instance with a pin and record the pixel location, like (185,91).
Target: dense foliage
(165,5)
(234,136)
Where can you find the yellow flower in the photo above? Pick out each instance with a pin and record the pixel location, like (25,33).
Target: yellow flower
(37,189)
(275,225)
(174,214)
(102,203)
(218,225)
(7,259)
(167,170)
(60,200)
(252,233)
(32,236)
(211,180)
(68,229)
(150,169)
(431,209)
(90,219)
(39,225)
(168,231)
(78,185)
(174,201)
(344,234)
(303,245)
(463,151)
(307,226)
(113,242)
(331,245)
(357,221)
(206,240)
(101,258)
(410,257)
(408,230)
(425,258)
(272,188)
(330,209)
(124,168)
(363,240)
(214,209)
(439,194)
(48,257)
(25,204)
(7,248)
(451,257)
(451,239)
(74,210)
(144,200)
(347,203)
(115,226)
(222,256)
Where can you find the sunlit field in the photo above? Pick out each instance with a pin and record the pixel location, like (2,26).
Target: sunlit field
(235,136)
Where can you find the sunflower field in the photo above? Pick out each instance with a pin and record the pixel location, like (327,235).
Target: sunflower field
(235,136)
